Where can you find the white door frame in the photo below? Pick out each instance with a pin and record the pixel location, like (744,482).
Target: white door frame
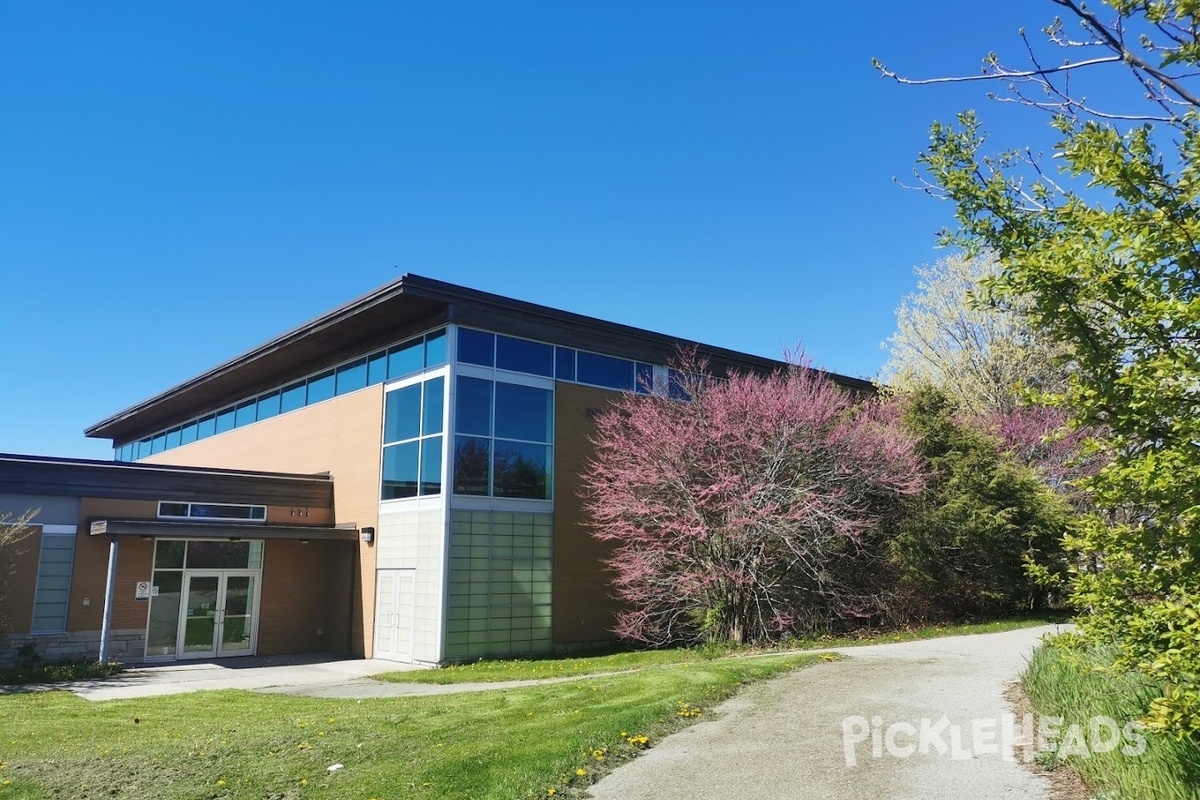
(222,575)
(388,616)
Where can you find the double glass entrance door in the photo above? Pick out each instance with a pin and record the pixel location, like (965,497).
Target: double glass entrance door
(219,613)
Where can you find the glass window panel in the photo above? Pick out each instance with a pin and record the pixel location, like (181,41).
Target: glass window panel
(218,555)
(256,555)
(521,470)
(522,355)
(168,554)
(158,443)
(405,359)
(431,465)
(206,427)
(163,629)
(119,453)
(268,406)
(473,406)
(431,418)
(523,412)
(435,349)
(223,511)
(644,378)
(476,347)
(615,373)
(189,433)
(293,397)
(246,413)
(352,376)
(172,439)
(172,509)
(225,420)
(320,387)
(143,448)
(402,414)
(399,471)
(564,363)
(377,368)
(472,459)
(675,383)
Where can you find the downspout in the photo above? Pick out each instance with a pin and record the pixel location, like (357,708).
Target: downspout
(110,587)
(353,581)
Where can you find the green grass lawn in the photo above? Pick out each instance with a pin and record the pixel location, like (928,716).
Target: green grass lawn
(489,670)
(1068,685)
(498,744)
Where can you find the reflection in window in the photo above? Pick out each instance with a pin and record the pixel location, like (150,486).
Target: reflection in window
(412,437)
(505,432)
(598,370)
(522,355)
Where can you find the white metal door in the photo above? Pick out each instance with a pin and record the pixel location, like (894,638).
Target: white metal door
(394,596)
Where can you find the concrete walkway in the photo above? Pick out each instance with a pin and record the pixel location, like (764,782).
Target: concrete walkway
(785,738)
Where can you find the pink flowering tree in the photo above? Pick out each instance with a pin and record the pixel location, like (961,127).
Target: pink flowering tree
(749,511)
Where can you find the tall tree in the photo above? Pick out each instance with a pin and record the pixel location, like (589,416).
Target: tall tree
(1107,252)
(981,350)
(14,530)
(748,511)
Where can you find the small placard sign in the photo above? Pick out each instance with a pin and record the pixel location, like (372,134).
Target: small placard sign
(143,590)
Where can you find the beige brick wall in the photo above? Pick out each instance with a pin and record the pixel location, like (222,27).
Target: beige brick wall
(341,436)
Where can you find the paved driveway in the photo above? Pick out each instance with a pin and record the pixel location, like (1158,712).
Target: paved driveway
(784,738)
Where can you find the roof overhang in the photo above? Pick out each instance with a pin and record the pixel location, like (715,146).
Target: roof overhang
(233,531)
(404,307)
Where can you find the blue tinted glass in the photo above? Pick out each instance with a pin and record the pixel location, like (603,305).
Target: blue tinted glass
(143,448)
(521,470)
(293,397)
(377,368)
(246,413)
(405,359)
(268,405)
(118,452)
(615,373)
(522,355)
(188,434)
(431,465)
(402,414)
(472,459)
(523,412)
(127,452)
(225,420)
(675,382)
(206,427)
(564,363)
(476,347)
(172,439)
(435,349)
(474,406)
(352,376)
(320,388)
(431,419)
(158,443)
(644,378)
(399,471)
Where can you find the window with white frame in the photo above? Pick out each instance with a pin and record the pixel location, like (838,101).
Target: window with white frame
(503,439)
(412,440)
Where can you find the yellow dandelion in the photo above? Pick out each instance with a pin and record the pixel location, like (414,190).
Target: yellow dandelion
(581,772)
(220,782)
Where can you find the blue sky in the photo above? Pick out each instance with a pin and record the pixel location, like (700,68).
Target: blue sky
(179,182)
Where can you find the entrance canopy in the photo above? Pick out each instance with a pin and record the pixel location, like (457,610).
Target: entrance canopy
(218,530)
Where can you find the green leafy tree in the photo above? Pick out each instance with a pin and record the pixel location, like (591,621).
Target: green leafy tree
(968,540)
(1106,249)
(986,355)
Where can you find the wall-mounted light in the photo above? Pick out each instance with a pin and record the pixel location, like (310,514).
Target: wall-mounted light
(368,535)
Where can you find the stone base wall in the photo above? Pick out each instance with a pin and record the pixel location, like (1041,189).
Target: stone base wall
(126,646)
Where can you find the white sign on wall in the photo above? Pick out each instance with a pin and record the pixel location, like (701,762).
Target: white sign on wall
(143,591)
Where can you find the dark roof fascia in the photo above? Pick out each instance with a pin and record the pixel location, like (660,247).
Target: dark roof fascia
(217,530)
(62,477)
(459,304)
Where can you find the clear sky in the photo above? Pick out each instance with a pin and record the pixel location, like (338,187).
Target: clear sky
(182,181)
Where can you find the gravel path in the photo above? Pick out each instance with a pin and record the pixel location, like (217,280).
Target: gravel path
(784,738)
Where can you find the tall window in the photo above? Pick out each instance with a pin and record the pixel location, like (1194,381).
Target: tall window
(502,445)
(412,439)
